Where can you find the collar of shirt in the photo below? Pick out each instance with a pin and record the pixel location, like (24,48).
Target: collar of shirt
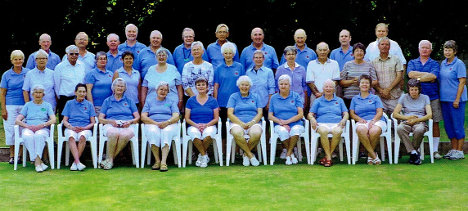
(254,48)
(282,98)
(333,99)
(252,69)
(328,61)
(299,50)
(119,54)
(361,98)
(350,50)
(388,57)
(100,71)
(23,71)
(122,70)
(121,99)
(248,96)
(79,103)
(296,65)
(453,62)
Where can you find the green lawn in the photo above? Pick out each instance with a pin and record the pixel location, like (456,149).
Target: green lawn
(441,186)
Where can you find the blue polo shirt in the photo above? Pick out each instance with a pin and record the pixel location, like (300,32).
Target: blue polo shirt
(52,61)
(226,77)
(366,108)
(285,108)
(147,58)
(122,109)
(36,114)
(201,113)
(430,89)
(79,113)
(132,81)
(183,55)
(342,57)
(303,57)
(13,83)
(114,62)
(328,111)
(263,83)
(449,80)
(102,82)
(271,59)
(245,108)
(153,78)
(135,49)
(160,111)
(215,56)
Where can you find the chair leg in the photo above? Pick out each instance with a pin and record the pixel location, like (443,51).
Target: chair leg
(94,152)
(17,147)
(228,150)
(299,149)
(431,147)
(144,144)
(190,148)
(179,161)
(313,149)
(67,154)
(174,153)
(382,149)
(272,150)
(340,148)
(51,154)
(348,152)
(389,149)
(397,149)
(259,152)
(219,144)
(307,146)
(184,153)
(59,152)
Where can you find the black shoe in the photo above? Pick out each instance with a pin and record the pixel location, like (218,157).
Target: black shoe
(362,155)
(413,158)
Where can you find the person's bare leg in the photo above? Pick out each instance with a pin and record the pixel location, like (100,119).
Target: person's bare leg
(292,143)
(207,142)
(365,140)
(81,145)
(238,134)
(74,149)
(165,152)
(199,145)
(454,143)
(460,144)
(155,151)
(374,137)
(255,134)
(336,138)
(323,131)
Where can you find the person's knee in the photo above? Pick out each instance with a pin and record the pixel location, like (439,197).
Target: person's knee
(255,131)
(337,131)
(375,131)
(362,130)
(237,131)
(322,130)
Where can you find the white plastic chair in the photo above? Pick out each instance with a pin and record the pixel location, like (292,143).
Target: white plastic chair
(428,134)
(217,147)
(274,137)
(146,149)
(61,139)
(19,140)
(133,144)
(385,134)
(231,144)
(315,136)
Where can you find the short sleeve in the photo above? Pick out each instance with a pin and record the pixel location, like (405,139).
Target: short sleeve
(352,105)
(401,99)
(257,102)
(378,102)
(314,107)
(146,107)
(213,103)
(92,111)
(24,110)
(427,101)
(66,109)
(89,78)
(174,107)
(232,101)
(299,100)
(343,105)
(461,69)
(50,111)
(3,83)
(105,106)
(132,104)
(189,103)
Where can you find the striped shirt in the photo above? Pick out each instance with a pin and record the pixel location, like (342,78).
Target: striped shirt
(352,70)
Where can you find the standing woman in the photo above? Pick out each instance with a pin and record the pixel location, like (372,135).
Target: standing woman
(453,99)
(195,69)
(98,82)
(131,76)
(11,97)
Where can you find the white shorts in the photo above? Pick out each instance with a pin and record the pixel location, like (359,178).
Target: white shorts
(193,132)
(379,123)
(158,136)
(76,136)
(329,126)
(285,134)
(246,131)
(125,131)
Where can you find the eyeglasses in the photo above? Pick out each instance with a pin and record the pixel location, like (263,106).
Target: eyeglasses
(44,58)
(73,54)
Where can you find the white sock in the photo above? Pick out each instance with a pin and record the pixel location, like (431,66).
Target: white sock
(436,144)
(414,152)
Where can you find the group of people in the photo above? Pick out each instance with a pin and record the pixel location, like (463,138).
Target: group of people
(134,83)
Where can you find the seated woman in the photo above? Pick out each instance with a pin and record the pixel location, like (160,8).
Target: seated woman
(117,113)
(244,111)
(367,110)
(78,118)
(417,110)
(38,116)
(286,112)
(160,117)
(202,113)
(328,114)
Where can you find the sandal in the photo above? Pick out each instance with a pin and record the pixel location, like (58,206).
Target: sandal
(163,168)
(156,166)
(328,163)
(369,161)
(323,160)
(376,161)
(106,165)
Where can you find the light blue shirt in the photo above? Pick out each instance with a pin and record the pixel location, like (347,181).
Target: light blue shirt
(298,78)
(153,78)
(132,81)
(114,63)
(271,59)
(183,55)
(215,56)
(79,113)
(102,82)
(303,57)
(147,58)
(160,111)
(328,111)
(285,108)
(52,60)
(245,108)
(36,114)
(263,83)
(366,108)
(135,49)
(46,79)
(341,57)
(122,109)
(226,77)
(449,80)
(13,83)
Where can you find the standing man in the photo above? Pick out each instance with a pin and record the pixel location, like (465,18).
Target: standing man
(304,53)
(45,41)
(427,70)
(147,56)
(86,57)
(372,50)
(131,44)
(215,57)
(344,53)
(114,56)
(183,52)
(67,75)
(271,59)
(389,71)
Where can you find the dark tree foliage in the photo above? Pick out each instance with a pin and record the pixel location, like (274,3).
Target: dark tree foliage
(410,21)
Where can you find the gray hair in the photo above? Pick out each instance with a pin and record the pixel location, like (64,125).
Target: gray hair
(156,32)
(382,25)
(258,52)
(383,39)
(131,25)
(198,43)
(322,43)
(99,54)
(422,42)
(222,25)
(162,83)
(289,49)
(451,44)
(243,78)
(329,81)
(228,46)
(16,53)
(112,35)
(41,52)
(117,80)
(285,77)
(162,50)
(38,87)
(187,29)
(71,48)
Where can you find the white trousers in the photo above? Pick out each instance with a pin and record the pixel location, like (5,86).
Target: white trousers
(160,137)
(35,142)
(9,124)
(76,136)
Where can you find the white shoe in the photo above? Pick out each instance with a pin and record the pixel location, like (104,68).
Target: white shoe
(254,161)
(203,162)
(245,160)
(293,159)
(198,163)
(283,154)
(80,166)
(73,167)
(39,169)
(44,166)
(207,158)
(288,160)
(449,153)
(437,155)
